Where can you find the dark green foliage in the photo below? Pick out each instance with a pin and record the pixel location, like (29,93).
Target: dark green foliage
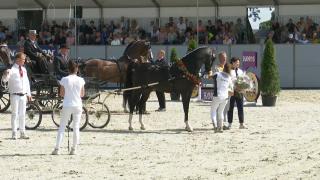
(270,78)
(192,45)
(174,56)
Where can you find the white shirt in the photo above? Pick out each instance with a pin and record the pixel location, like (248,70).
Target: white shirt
(17,84)
(234,75)
(72,88)
(222,85)
(116,42)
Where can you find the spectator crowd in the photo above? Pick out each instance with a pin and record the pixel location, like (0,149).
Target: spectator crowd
(175,31)
(304,31)
(123,31)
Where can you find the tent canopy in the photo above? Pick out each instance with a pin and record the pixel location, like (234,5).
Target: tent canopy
(24,4)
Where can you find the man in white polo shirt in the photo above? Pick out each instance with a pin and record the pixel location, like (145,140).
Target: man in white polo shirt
(19,89)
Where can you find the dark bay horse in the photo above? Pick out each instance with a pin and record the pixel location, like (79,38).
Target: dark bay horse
(115,70)
(5,57)
(170,79)
(5,63)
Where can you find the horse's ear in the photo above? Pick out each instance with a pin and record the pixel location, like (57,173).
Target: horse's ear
(213,54)
(148,44)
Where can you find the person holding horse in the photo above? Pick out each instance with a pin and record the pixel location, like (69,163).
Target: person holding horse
(160,94)
(237,97)
(61,62)
(35,53)
(19,89)
(72,89)
(223,87)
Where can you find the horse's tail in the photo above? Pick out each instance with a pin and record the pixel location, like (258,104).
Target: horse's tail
(82,66)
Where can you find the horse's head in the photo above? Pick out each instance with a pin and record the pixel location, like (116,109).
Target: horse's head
(5,55)
(209,62)
(137,49)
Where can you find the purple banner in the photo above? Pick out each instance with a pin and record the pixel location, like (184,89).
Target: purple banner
(207,93)
(249,60)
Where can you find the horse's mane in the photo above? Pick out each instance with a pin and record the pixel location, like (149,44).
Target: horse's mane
(191,52)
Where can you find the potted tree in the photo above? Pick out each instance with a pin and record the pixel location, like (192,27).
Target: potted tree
(173,59)
(192,45)
(270,78)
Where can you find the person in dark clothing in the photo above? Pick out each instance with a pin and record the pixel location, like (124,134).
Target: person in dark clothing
(160,95)
(237,97)
(35,53)
(61,62)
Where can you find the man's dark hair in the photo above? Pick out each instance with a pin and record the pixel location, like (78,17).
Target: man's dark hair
(234,59)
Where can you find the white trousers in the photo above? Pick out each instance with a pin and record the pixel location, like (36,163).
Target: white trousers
(217,111)
(225,111)
(18,112)
(65,117)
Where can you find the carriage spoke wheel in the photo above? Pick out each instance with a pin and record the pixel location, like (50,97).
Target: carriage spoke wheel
(33,116)
(4,101)
(99,114)
(57,112)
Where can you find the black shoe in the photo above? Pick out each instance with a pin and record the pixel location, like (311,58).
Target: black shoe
(161,110)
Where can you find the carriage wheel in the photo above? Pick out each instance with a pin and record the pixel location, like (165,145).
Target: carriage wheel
(99,114)
(4,101)
(33,116)
(56,117)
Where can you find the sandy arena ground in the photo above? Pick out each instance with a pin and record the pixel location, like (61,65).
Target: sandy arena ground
(281,142)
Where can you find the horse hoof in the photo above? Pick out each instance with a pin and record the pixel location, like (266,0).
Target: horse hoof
(142,128)
(130,128)
(189,129)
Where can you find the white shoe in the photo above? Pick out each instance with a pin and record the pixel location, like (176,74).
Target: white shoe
(73,151)
(24,136)
(14,136)
(55,152)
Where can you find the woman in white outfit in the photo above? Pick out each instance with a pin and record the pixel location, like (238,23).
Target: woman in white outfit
(72,89)
(222,89)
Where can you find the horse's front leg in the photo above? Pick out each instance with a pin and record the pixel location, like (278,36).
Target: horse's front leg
(186,100)
(142,103)
(133,98)
(124,102)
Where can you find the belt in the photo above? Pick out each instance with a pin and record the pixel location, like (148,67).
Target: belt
(19,94)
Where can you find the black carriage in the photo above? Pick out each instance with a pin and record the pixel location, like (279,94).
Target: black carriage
(45,92)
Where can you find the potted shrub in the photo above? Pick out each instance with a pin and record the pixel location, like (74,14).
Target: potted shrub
(173,59)
(270,78)
(192,45)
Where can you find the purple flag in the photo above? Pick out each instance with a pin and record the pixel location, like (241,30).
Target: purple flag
(249,59)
